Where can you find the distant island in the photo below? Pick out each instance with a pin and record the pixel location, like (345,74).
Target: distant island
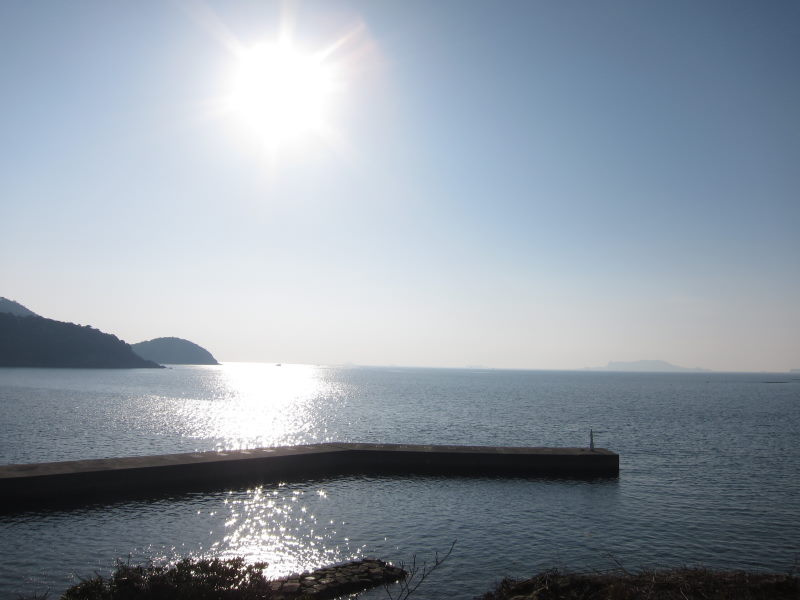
(174,351)
(647,366)
(15,308)
(33,341)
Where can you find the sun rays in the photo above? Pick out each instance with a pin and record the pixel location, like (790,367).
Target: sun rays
(281,95)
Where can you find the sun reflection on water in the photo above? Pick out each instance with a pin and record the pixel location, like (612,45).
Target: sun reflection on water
(247,405)
(277,525)
(265,405)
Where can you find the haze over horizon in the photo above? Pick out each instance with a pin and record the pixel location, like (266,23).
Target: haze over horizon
(540,185)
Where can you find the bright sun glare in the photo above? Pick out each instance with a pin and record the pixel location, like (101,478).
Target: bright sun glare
(281,93)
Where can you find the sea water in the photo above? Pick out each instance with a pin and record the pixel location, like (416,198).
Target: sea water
(708,471)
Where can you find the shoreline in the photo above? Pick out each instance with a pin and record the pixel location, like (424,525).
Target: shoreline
(233,579)
(683,583)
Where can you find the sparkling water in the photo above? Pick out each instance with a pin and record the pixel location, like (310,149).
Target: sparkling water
(708,470)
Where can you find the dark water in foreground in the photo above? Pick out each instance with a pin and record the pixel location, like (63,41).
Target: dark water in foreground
(708,475)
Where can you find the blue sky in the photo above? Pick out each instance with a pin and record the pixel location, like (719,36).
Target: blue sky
(515,184)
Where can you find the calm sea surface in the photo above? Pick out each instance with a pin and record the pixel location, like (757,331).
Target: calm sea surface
(709,470)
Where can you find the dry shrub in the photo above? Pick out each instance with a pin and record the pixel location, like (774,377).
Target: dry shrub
(674,584)
(188,579)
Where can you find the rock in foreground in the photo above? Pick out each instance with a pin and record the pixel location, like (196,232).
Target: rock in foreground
(338,580)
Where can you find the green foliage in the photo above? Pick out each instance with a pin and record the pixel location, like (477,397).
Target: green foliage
(203,579)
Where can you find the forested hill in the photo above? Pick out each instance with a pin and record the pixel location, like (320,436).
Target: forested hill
(15,308)
(174,351)
(39,342)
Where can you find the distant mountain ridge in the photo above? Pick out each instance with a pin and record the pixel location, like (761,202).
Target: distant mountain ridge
(33,341)
(29,340)
(647,366)
(174,351)
(15,308)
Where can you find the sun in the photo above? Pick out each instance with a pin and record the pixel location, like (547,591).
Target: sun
(282,94)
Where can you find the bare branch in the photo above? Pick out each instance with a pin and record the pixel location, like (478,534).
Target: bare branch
(417,574)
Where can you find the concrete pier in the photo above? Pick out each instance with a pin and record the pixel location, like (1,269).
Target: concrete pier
(84,480)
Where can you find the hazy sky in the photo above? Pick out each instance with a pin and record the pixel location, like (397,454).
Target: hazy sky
(534,184)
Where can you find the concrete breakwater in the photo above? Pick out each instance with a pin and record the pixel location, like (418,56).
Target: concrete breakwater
(85,480)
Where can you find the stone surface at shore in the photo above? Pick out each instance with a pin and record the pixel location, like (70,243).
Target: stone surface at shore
(337,580)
